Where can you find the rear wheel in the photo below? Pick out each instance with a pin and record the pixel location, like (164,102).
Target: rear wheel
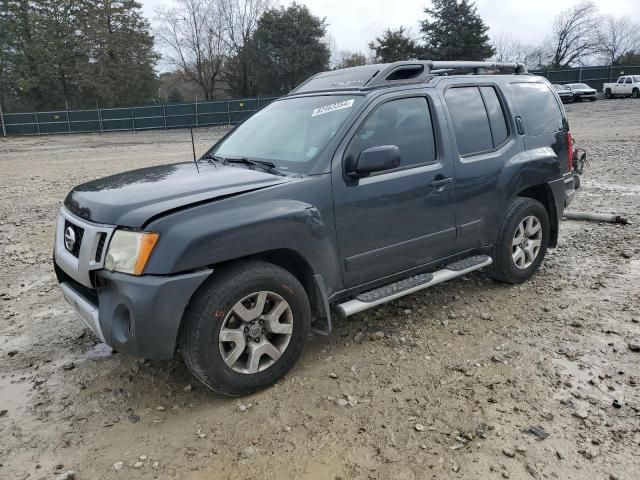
(245,328)
(635,93)
(522,242)
(607,93)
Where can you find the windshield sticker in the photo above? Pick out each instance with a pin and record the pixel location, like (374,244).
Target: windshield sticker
(332,108)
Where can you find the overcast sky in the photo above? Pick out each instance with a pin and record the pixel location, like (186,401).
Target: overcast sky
(353,23)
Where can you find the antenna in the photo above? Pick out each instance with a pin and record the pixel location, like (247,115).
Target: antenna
(193,147)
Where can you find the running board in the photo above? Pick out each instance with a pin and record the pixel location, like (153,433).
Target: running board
(410,285)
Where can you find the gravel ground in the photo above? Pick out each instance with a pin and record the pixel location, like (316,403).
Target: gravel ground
(470,379)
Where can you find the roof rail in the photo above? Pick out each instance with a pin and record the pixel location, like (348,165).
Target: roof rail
(399,73)
(420,70)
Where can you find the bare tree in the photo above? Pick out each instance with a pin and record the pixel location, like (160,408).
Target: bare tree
(239,20)
(507,47)
(575,34)
(193,34)
(346,59)
(618,35)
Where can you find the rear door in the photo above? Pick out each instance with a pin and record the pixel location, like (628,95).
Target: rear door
(482,138)
(398,219)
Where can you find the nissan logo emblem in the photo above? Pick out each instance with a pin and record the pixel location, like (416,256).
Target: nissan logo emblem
(69,239)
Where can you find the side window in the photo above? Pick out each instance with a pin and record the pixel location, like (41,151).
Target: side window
(405,123)
(628,80)
(470,120)
(497,120)
(539,108)
(621,80)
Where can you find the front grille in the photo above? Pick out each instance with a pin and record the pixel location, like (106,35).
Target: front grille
(78,232)
(100,247)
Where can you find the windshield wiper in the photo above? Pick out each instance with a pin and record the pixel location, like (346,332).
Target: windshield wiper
(212,156)
(268,166)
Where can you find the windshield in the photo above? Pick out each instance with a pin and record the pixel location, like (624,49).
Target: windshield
(290,133)
(579,85)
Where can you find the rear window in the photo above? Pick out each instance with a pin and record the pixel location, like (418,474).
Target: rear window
(478,119)
(538,107)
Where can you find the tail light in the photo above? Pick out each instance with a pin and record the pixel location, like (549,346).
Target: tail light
(570,151)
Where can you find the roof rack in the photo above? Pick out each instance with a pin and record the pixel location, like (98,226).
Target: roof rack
(421,70)
(405,72)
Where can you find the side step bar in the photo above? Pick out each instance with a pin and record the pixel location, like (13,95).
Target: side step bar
(410,285)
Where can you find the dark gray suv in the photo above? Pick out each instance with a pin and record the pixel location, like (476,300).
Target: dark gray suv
(360,186)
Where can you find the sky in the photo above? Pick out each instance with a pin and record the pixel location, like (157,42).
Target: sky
(353,23)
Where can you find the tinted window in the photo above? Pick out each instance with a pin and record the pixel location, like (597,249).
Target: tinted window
(497,120)
(628,80)
(470,120)
(405,123)
(539,108)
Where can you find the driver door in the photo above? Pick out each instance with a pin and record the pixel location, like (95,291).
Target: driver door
(394,220)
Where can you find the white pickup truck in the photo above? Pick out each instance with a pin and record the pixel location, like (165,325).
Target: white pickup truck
(627,85)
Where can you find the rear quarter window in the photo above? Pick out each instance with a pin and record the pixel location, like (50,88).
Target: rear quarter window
(538,107)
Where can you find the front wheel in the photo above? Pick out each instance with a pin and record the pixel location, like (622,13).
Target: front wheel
(245,327)
(522,241)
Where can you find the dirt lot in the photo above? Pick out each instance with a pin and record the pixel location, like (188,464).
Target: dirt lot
(466,375)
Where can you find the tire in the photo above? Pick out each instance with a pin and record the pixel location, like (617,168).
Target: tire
(242,287)
(504,268)
(635,93)
(607,94)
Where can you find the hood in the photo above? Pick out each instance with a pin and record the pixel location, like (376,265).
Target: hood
(130,199)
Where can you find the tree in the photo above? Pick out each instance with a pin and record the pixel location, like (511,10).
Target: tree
(394,45)
(618,36)
(506,48)
(629,58)
(70,53)
(174,96)
(575,34)
(348,59)
(289,48)
(194,35)
(453,30)
(240,21)
(122,56)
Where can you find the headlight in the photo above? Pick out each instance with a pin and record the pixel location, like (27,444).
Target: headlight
(129,251)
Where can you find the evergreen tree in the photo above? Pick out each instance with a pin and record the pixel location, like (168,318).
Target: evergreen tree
(289,48)
(453,30)
(394,46)
(175,96)
(122,53)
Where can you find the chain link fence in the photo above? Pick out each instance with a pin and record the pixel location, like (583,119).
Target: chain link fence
(592,76)
(176,115)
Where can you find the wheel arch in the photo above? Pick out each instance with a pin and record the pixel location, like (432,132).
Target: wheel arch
(544,195)
(296,264)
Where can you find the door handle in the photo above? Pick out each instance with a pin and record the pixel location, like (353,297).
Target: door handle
(441,182)
(520,125)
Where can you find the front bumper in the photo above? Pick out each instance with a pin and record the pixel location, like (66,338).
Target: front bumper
(136,315)
(139,316)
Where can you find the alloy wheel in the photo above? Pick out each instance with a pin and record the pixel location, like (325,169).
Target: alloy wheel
(526,242)
(256,332)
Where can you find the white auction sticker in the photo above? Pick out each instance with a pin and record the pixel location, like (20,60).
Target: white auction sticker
(332,108)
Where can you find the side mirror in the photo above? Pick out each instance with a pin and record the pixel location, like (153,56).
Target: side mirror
(375,159)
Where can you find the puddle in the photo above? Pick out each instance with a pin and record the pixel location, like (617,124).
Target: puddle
(15,396)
